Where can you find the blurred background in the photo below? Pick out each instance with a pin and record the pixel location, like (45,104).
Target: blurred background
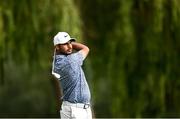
(133,65)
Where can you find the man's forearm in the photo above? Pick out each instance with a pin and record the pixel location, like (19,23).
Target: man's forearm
(79,46)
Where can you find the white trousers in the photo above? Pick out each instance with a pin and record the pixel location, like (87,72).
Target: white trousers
(73,111)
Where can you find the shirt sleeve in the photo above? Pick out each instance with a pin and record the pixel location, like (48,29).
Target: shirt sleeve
(76,58)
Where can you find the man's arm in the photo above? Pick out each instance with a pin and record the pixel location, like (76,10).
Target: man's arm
(84,50)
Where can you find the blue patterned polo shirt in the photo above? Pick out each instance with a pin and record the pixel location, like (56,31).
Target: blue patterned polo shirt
(72,79)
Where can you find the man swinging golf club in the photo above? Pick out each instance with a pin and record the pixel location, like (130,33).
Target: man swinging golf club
(67,69)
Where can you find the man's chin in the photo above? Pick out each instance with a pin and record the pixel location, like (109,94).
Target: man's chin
(69,52)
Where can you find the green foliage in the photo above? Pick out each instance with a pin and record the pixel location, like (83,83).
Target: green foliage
(135,57)
(26,49)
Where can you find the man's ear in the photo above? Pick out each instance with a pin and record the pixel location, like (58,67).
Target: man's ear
(57,48)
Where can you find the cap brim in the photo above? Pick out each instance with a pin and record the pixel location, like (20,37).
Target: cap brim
(72,39)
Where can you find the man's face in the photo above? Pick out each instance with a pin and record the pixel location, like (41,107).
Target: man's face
(65,48)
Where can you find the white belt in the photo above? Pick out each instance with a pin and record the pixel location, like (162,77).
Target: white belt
(78,105)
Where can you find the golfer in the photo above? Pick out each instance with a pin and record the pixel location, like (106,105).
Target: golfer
(68,59)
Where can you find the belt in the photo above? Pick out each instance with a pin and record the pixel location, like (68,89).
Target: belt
(78,105)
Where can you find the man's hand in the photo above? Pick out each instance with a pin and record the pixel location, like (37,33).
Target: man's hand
(84,50)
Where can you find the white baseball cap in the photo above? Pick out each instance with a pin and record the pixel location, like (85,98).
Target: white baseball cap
(62,37)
